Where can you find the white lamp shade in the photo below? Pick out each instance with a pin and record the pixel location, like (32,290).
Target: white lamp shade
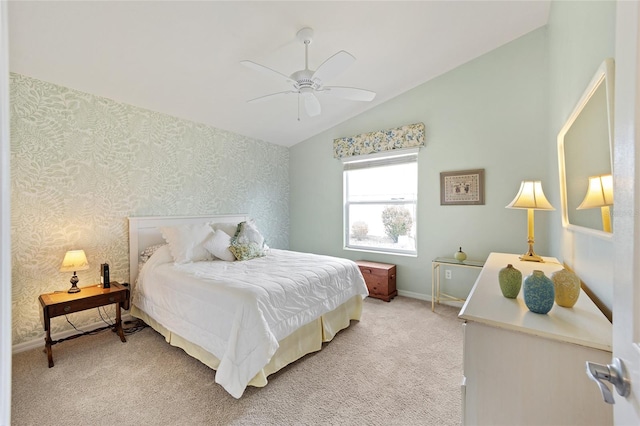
(74,260)
(599,193)
(530,196)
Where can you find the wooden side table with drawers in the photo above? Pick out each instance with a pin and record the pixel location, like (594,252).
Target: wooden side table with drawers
(380,279)
(63,303)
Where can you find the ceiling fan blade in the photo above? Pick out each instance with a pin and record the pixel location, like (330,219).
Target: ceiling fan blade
(333,66)
(350,93)
(272,95)
(267,70)
(311,104)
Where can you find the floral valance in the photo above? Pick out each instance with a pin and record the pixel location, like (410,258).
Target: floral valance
(409,136)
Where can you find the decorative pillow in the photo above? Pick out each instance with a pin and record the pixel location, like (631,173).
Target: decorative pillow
(218,245)
(186,242)
(248,243)
(148,252)
(247,251)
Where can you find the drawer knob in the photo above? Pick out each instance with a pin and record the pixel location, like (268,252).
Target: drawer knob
(112,299)
(67,308)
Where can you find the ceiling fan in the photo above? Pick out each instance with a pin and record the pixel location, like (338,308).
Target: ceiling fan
(307,83)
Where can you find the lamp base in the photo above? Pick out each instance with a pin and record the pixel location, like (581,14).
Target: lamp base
(74,284)
(531,256)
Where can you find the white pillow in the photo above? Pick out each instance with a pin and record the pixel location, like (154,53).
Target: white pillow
(160,256)
(218,245)
(228,228)
(148,252)
(186,242)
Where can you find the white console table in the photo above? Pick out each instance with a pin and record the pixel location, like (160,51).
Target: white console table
(523,368)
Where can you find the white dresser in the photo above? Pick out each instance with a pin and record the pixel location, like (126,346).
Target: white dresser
(522,368)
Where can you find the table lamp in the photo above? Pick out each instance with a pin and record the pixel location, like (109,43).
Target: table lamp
(74,260)
(530,197)
(600,194)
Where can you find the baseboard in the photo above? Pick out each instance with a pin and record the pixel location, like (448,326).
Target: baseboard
(427,298)
(38,342)
(414,295)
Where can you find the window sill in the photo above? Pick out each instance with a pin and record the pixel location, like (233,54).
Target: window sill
(392,253)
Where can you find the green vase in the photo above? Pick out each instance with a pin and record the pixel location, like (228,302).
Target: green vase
(567,287)
(460,255)
(539,293)
(510,280)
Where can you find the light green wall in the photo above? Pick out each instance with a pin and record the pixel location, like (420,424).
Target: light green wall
(81,164)
(490,113)
(581,35)
(501,112)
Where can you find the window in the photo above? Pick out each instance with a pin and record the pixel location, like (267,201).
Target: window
(380,197)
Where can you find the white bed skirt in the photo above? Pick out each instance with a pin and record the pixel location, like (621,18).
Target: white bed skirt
(306,339)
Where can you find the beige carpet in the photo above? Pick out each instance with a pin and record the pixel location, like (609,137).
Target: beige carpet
(400,365)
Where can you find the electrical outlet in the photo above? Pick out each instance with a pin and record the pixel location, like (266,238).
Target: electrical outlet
(447,274)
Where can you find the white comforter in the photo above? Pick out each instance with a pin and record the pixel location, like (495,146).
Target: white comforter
(239,311)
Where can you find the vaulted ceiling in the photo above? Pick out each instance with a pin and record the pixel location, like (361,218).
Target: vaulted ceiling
(183,57)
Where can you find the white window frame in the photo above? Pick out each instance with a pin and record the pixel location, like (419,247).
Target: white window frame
(380,159)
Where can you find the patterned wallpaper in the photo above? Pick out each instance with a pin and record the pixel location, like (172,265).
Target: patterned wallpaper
(81,164)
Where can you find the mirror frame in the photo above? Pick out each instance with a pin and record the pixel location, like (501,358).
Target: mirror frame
(604,75)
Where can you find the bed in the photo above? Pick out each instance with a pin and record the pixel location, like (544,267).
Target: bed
(245,319)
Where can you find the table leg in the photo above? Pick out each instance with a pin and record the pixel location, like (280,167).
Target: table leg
(433,286)
(119,324)
(46,323)
(438,286)
(47,346)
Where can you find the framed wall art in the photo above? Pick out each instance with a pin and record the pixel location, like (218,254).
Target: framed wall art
(463,187)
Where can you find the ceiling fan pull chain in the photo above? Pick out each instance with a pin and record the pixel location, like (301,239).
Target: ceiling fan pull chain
(298,106)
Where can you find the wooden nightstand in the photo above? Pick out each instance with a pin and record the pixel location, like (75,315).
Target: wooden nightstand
(62,303)
(380,279)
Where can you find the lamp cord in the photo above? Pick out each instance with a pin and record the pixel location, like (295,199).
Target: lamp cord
(112,323)
(138,325)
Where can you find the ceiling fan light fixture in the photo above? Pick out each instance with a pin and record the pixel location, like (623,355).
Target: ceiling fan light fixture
(307,82)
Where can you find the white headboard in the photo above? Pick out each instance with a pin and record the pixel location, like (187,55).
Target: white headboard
(145,231)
